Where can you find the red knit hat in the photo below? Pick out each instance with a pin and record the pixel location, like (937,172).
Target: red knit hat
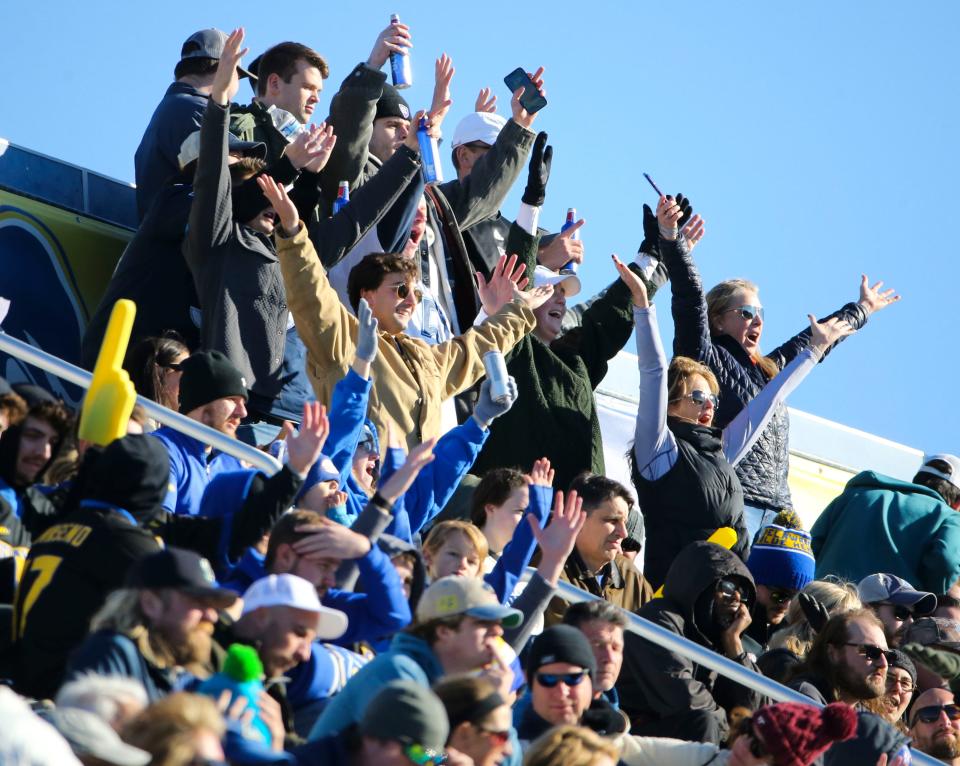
(796,734)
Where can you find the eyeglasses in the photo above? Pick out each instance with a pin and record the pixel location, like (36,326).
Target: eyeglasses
(931,713)
(499,738)
(727,589)
(905,684)
(873,652)
(700,398)
(781,596)
(549,680)
(403,290)
(424,756)
(748,312)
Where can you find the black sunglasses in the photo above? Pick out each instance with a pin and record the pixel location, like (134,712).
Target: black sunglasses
(549,680)
(931,713)
(902,613)
(873,652)
(781,596)
(727,589)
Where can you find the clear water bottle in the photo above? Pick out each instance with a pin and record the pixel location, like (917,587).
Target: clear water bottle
(285,122)
(400,69)
(571,266)
(343,197)
(429,154)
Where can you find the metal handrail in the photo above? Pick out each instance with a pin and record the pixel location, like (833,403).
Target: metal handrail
(706,657)
(80,377)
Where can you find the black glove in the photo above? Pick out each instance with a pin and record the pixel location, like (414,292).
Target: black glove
(815,612)
(686,211)
(540,158)
(651,229)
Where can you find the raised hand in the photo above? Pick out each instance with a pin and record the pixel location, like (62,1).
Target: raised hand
(307,146)
(872,299)
(815,612)
(506,278)
(824,334)
(638,290)
(534,298)
(282,204)
(520,115)
(686,210)
(486,410)
(693,232)
(668,217)
(541,156)
(366,332)
(486,101)
(563,249)
(226,81)
(556,541)
(443,74)
(405,475)
(304,448)
(434,121)
(323,148)
(541,475)
(394,39)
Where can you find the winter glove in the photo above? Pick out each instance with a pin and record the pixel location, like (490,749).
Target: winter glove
(815,612)
(651,230)
(686,210)
(540,158)
(486,410)
(366,333)
(945,664)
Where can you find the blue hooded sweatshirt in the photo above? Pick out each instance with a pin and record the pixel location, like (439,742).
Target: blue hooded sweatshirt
(192,466)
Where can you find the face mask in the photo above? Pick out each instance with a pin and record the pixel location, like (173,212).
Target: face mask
(248,201)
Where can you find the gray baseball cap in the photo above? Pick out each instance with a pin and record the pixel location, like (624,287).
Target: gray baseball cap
(934,631)
(208,44)
(404,711)
(890,589)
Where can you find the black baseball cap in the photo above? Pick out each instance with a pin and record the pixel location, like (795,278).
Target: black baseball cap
(181,570)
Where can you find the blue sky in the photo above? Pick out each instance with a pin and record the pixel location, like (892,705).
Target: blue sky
(817,139)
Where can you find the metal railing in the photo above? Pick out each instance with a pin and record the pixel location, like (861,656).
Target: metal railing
(80,377)
(708,658)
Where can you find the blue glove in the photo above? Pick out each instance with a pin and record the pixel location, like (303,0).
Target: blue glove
(366,333)
(486,410)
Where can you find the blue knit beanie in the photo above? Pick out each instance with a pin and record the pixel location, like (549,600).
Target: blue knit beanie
(781,557)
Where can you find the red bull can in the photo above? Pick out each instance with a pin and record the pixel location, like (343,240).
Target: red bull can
(343,197)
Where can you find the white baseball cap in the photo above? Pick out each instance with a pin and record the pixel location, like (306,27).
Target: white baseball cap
(297,593)
(952,474)
(544,276)
(478,126)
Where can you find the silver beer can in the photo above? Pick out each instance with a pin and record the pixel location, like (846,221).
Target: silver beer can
(496,367)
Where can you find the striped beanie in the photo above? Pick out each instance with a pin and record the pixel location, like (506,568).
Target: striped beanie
(781,556)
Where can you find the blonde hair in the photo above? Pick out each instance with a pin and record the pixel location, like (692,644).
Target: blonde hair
(167,728)
(446,529)
(719,300)
(570,746)
(681,369)
(838,596)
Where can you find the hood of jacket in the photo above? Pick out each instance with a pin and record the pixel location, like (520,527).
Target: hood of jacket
(131,473)
(695,570)
(420,652)
(878,481)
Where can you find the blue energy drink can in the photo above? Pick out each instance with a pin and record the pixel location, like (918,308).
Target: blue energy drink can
(429,154)
(571,266)
(343,197)
(400,69)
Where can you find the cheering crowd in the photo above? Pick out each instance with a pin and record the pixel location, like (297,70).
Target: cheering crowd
(164,603)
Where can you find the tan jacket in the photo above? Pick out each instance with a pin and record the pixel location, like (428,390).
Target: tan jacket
(410,377)
(623,586)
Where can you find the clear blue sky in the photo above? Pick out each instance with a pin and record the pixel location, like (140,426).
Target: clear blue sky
(817,139)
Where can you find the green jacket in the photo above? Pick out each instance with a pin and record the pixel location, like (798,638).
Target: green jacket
(555,414)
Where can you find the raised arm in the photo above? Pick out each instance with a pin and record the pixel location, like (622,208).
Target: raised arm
(654,446)
(743,431)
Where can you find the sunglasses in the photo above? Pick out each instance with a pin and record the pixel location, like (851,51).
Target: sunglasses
(499,738)
(931,713)
(403,289)
(781,596)
(873,652)
(902,613)
(700,398)
(424,756)
(727,589)
(549,680)
(748,312)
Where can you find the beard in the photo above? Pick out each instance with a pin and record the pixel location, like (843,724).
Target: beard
(858,686)
(944,747)
(190,649)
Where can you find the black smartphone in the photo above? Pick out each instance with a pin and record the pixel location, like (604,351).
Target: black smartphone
(531,100)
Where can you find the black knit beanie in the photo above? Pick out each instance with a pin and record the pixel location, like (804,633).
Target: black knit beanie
(392,104)
(561,643)
(208,376)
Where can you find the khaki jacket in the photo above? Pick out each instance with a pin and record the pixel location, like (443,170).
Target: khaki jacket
(623,586)
(410,377)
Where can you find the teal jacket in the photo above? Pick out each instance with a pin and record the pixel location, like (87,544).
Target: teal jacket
(881,524)
(410,658)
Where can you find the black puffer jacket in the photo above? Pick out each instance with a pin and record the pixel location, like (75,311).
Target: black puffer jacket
(700,494)
(663,692)
(763,472)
